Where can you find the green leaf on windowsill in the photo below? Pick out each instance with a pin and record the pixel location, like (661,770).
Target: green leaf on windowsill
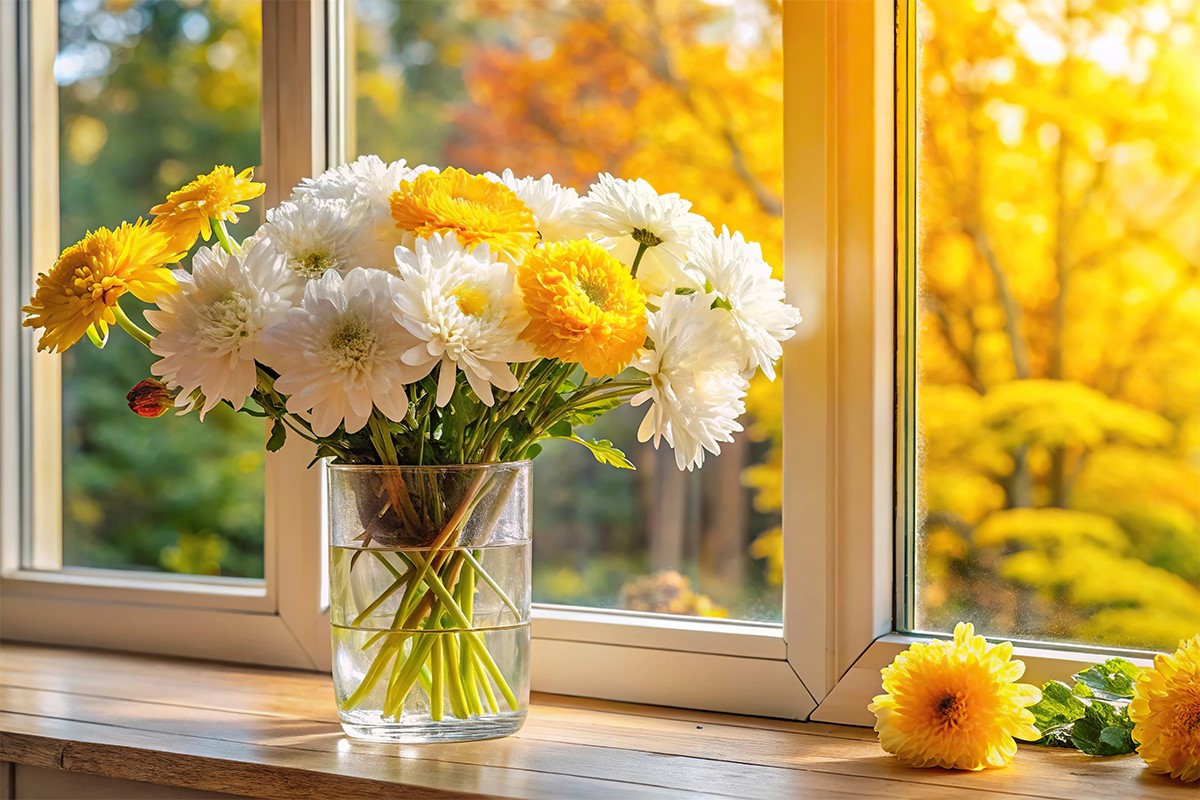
(1112,680)
(1055,712)
(1105,730)
(1092,715)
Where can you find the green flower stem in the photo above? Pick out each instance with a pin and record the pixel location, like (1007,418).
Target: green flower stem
(227,242)
(95,337)
(490,581)
(130,327)
(637,260)
(437,668)
(400,581)
(486,685)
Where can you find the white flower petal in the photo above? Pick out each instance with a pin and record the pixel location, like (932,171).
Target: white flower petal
(211,330)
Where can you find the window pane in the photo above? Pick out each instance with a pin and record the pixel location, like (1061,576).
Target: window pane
(687,95)
(1059,324)
(150,95)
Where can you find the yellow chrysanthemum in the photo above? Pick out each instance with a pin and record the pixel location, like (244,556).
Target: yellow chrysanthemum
(219,195)
(955,704)
(584,306)
(477,210)
(83,286)
(1166,713)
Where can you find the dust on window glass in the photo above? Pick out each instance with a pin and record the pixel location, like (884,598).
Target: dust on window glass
(150,95)
(689,96)
(1059,319)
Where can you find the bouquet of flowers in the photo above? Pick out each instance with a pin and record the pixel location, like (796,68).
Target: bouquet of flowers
(397,315)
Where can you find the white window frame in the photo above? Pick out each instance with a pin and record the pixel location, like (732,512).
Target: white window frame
(840,542)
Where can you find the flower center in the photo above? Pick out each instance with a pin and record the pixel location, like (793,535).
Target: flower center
(1188,717)
(643,236)
(312,265)
(226,320)
(353,344)
(951,709)
(597,291)
(472,300)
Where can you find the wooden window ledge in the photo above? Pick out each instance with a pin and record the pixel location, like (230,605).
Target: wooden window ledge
(273,733)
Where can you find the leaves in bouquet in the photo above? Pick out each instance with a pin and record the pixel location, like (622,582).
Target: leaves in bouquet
(1092,715)
(278,436)
(603,450)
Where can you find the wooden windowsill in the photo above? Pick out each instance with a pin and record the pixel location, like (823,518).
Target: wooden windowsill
(274,733)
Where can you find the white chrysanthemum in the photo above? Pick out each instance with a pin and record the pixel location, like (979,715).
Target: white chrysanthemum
(738,274)
(338,353)
(366,184)
(554,206)
(315,235)
(464,308)
(696,386)
(211,330)
(623,215)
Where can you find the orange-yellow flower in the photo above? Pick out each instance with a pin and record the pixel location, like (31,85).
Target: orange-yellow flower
(84,285)
(584,306)
(477,210)
(955,704)
(219,195)
(1166,713)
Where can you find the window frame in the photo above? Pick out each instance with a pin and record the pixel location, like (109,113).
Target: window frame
(845,556)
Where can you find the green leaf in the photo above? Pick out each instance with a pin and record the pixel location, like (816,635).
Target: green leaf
(278,435)
(532,451)
(560,430)
(1105,730)
(1112,680)
(1057,707)
(586,415)
(603,450)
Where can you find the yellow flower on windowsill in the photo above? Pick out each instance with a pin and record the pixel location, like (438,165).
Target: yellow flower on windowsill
(1166,713)
(955,704)
(218,196)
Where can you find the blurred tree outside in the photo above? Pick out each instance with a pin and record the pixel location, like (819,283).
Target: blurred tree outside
(1059,341)
(150,95)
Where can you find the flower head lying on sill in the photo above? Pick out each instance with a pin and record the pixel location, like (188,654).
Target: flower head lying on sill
(956,704)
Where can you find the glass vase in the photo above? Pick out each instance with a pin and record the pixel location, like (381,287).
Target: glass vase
(429,587)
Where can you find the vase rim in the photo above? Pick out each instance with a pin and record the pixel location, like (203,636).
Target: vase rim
(427,467)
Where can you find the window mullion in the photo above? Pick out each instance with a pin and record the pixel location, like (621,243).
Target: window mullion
(294,147)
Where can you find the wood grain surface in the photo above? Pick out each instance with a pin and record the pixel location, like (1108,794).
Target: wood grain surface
(274,733)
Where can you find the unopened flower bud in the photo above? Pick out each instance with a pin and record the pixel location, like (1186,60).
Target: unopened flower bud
(150,398)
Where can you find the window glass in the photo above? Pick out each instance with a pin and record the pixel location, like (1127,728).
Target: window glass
(1059,319)
(687,95)
(150,95)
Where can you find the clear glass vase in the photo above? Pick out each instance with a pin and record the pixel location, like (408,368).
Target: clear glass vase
(429,580)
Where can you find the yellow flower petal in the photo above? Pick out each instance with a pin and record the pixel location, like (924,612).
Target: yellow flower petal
(477,210)
(219,195)
(1166,713)
(584,307)
(90,276)
(955,704)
